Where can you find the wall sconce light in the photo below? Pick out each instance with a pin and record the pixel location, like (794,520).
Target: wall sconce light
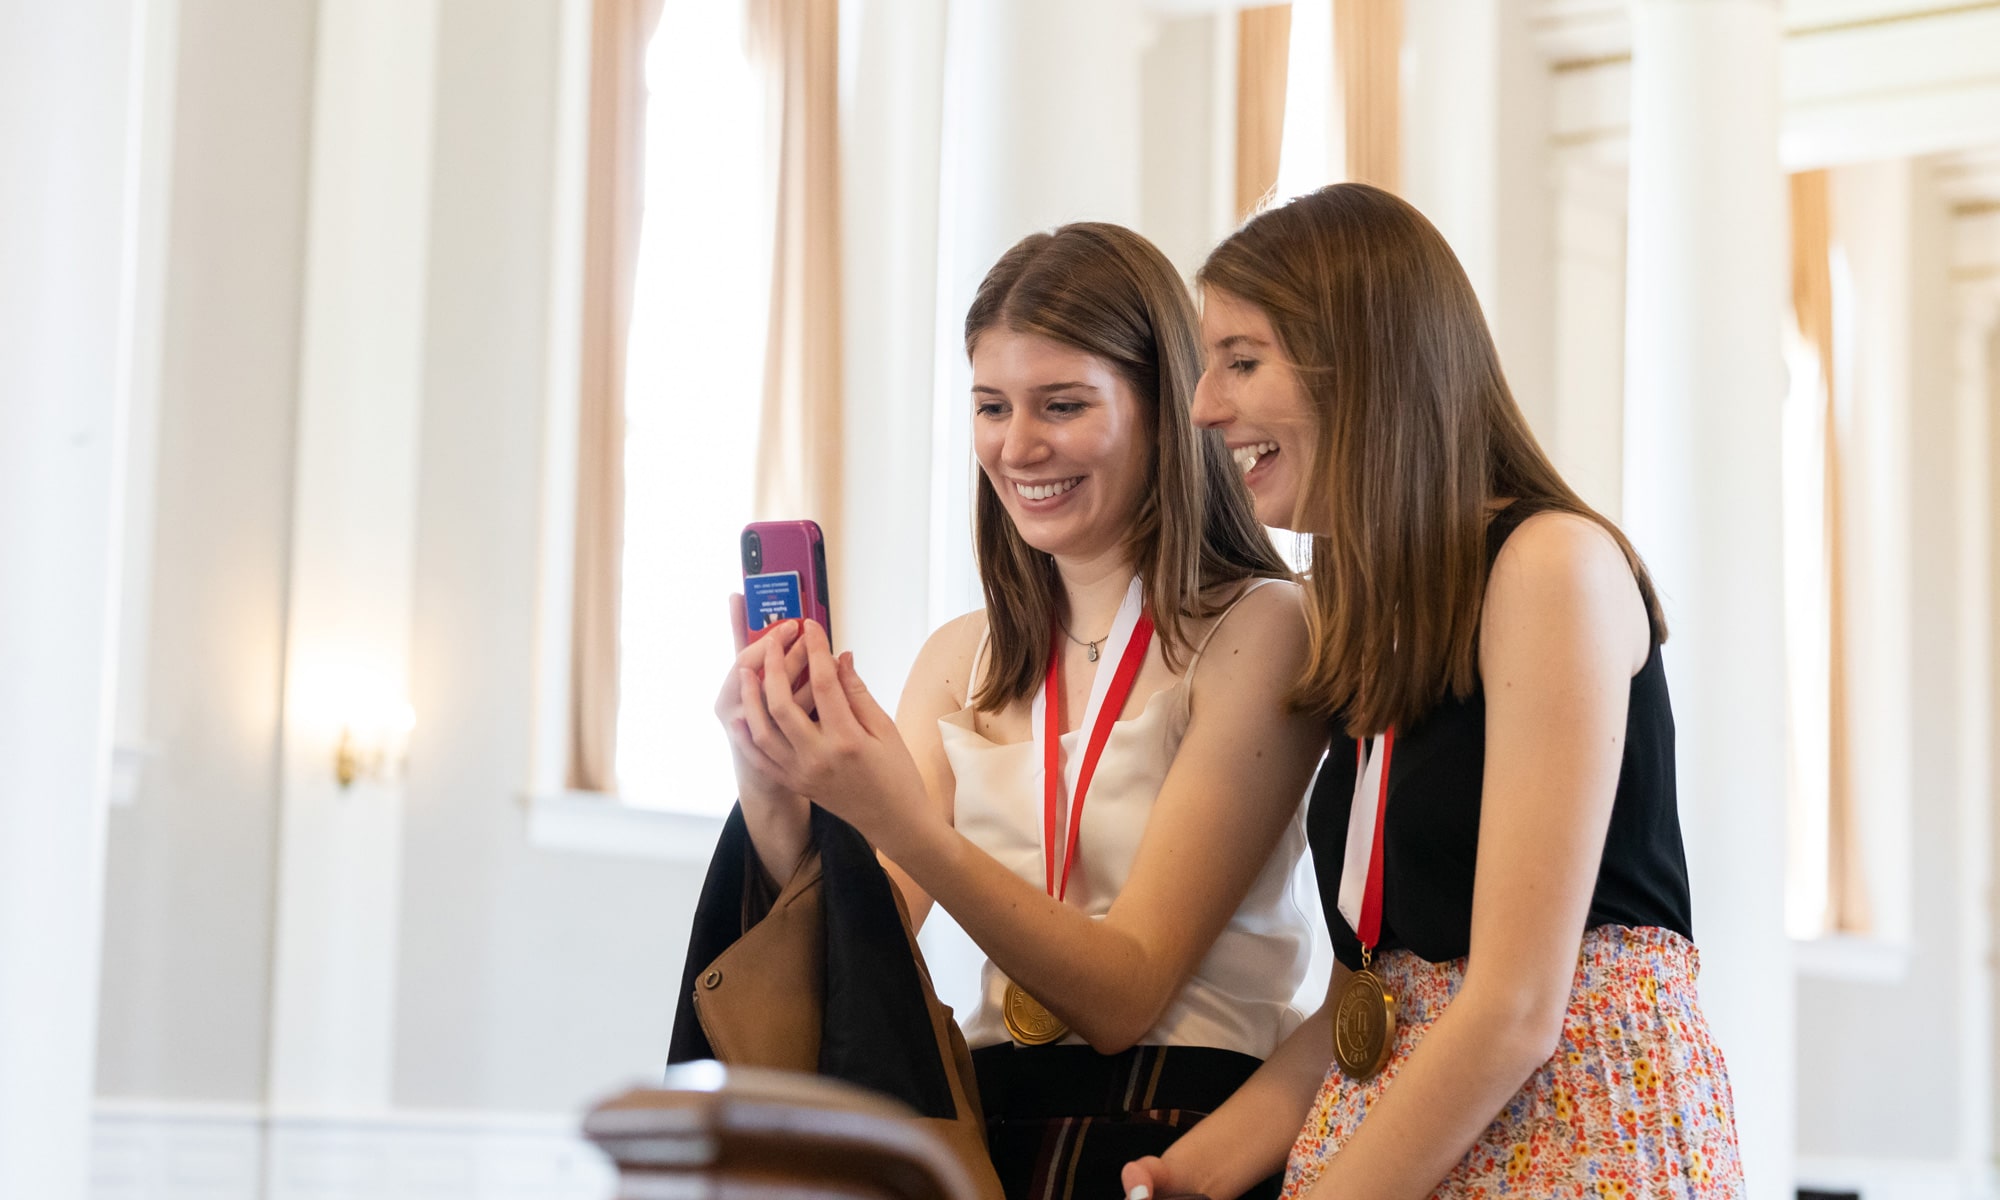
(375,749)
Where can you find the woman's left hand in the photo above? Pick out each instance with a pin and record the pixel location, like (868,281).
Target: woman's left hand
(851,762)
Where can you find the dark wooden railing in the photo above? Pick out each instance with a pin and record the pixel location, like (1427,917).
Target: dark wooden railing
(731,1133)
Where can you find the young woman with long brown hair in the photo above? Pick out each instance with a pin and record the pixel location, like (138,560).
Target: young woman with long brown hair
(1499,854)
(1097,774)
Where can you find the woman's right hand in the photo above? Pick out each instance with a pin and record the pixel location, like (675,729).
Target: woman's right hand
(778,819)
(1150,1178)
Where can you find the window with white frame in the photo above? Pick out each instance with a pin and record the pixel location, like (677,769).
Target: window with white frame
(692,398)
(1845,563)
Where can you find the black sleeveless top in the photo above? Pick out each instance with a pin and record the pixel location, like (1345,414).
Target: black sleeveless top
(1431,826)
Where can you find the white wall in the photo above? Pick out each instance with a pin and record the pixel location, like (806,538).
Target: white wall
(1187,87)
(187,927)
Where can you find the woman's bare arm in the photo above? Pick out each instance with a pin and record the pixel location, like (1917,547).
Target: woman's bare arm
(1237,780)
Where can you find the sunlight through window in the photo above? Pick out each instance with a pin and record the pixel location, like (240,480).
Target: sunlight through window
(693,393)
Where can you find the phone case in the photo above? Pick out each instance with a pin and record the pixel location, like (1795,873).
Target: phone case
(784,575)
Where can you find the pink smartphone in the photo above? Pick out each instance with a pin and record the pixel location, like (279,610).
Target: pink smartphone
(784,575)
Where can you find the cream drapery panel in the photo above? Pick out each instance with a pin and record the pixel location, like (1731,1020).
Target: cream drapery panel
(1263,47)
(1812,308)
(796,45)
(620,32)
(1367,48)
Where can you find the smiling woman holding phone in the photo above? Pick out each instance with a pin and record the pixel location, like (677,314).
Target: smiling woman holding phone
(1096,774)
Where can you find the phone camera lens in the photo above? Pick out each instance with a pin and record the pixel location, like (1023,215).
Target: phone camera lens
(753,553)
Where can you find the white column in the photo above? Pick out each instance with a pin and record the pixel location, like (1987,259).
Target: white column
(1704,378)
(353,539)
(66,123)
(1477,160)
(1978,370)
(893,83)
(1041,127)
(1586,434)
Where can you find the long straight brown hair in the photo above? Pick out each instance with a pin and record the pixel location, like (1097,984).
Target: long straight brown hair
(1418,436)
(1109,292)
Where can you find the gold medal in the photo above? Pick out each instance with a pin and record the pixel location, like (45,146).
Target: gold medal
(1364,1026)
(1027,1021)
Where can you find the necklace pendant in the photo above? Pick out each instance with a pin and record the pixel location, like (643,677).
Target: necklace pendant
(1093,650)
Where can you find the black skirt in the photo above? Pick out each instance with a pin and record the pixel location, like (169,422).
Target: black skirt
(1062,1121)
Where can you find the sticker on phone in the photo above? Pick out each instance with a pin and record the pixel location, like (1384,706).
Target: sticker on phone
(769,599)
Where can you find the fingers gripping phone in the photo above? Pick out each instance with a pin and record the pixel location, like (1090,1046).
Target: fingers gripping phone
(784,575)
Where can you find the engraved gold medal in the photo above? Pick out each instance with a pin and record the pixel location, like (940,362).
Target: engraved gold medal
(1028,1023)
(1364,1026)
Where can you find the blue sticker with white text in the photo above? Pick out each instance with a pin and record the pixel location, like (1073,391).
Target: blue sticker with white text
(769,599)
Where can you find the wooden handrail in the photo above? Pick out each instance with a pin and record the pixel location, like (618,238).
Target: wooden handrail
(738,1131)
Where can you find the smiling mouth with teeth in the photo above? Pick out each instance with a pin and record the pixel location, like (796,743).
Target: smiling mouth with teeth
(1045,491)
(1247,457)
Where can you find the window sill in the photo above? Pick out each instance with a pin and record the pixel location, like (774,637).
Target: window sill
(599,823)
(1851,958)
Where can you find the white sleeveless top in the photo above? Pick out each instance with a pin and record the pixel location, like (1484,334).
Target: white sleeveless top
(1239,997)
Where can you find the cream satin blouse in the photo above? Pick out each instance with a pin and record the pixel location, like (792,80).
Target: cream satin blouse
(1239,997)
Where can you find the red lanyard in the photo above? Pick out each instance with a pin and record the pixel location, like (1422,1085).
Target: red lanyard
(1369,926)
(1100,732)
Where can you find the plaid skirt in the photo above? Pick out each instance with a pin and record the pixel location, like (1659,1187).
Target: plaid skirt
(1062,1121)
(1634,1104)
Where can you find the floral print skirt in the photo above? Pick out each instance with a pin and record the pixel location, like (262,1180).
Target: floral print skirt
(1634,1105)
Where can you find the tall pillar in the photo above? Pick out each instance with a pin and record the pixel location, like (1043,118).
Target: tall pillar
(1704,381)
(354,506)
(1586,427)
(66,89)
(889,209)
(1041,127)
(1477,160)
(1978,394)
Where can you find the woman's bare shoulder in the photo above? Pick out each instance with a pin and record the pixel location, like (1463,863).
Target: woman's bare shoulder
(1562,570)
(1259,645)
(1260,613)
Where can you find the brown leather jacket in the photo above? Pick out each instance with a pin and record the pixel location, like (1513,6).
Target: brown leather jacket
(825,976)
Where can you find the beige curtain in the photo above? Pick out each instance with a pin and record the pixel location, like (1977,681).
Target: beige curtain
(1812,307)
(1263,45)
(796,44)
(620,31)
(1368,47)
